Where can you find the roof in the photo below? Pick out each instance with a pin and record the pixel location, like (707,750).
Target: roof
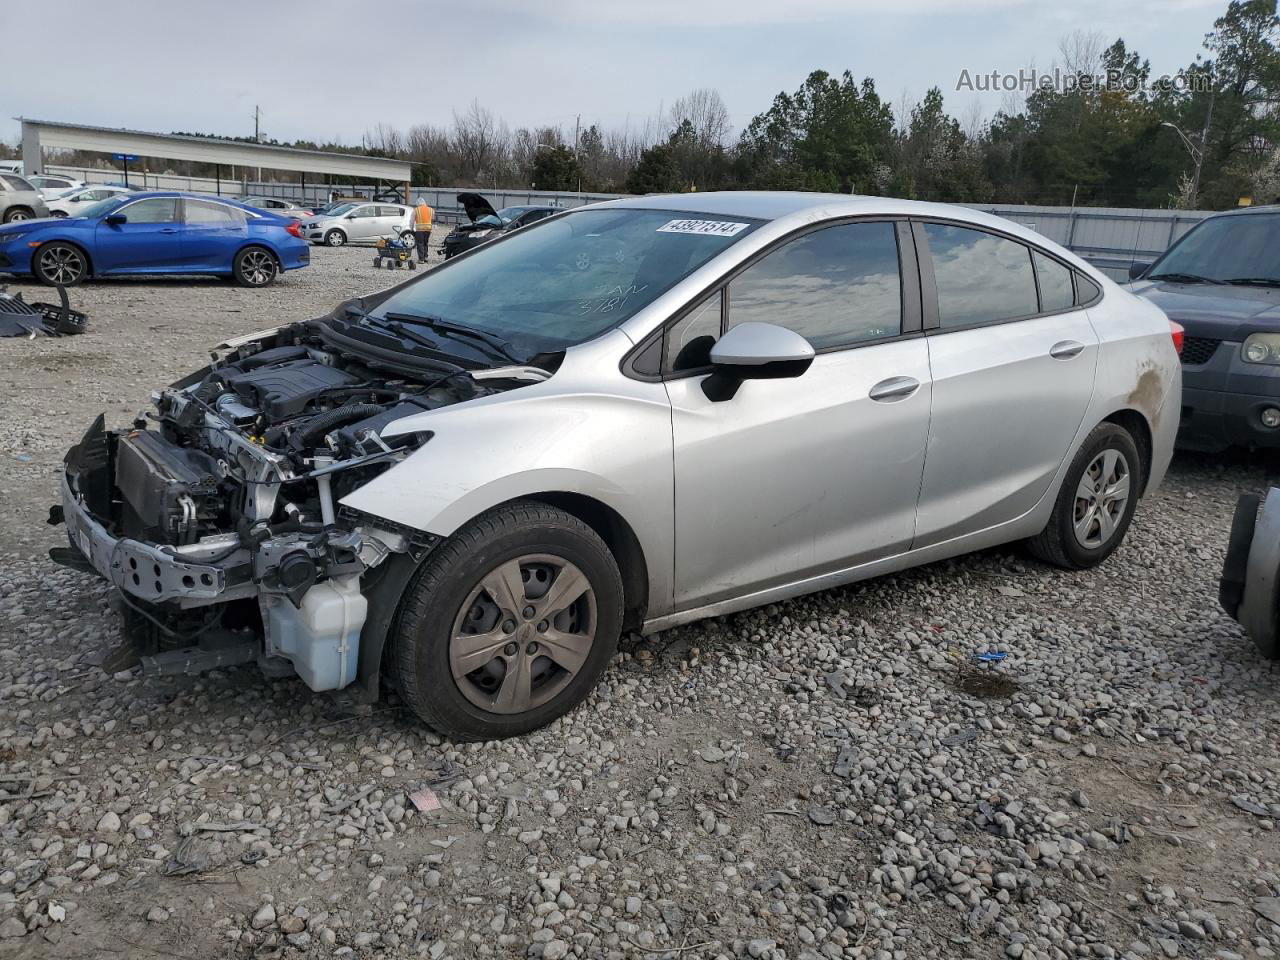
(53,133)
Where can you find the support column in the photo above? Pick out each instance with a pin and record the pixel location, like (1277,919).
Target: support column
(32,155)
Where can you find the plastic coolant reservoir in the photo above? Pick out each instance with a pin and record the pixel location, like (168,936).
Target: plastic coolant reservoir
(322,635)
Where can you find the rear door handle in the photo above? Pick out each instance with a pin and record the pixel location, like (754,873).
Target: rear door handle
(1065,349)
(894,389)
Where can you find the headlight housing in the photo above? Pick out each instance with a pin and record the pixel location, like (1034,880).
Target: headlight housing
(477,234)
(10,236)
(1261,348)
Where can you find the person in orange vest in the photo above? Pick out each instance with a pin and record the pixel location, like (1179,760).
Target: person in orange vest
(422,217)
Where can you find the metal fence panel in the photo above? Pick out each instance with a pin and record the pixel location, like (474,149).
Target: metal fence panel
(1110,238)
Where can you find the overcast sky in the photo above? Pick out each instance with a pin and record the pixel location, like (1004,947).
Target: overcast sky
(332,69)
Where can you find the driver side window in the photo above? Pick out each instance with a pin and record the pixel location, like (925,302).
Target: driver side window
(152,210)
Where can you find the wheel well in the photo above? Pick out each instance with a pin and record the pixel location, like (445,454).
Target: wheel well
(88,258)
(622,543)
(1138,428)
(259,246)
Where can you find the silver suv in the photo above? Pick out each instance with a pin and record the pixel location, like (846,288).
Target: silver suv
(359,223)
(19,200)
(625,417)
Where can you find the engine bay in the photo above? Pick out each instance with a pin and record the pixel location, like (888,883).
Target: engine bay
(216,512)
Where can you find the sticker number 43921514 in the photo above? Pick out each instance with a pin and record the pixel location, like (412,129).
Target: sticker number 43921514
(711,228)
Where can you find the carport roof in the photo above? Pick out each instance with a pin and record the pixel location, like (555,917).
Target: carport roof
(76,136)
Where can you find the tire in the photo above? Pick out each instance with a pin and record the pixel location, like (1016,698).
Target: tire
(14,214)
(255,267)
(1107,519)
(335,238)
(59,215)
(377,261)
(449,598)
(60,263)
(1236,562)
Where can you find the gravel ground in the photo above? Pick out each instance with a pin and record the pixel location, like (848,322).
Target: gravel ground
(830,777)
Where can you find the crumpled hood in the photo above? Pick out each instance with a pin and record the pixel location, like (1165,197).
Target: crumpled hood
(1209,310)
(476,206)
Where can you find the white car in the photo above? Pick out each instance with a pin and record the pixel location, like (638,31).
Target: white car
(71,203)
(11,166)
(280,207)
(53,185)
(359,223)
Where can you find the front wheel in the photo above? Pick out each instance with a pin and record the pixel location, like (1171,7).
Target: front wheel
(59,214)
(509,624)
(254,267)
(335,238)
(60,264)
(1096,503)
(14,214)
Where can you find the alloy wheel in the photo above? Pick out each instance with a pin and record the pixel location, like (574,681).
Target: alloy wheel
(523,633)
(61,265)
(1101,497)
(257,267)
(17,215)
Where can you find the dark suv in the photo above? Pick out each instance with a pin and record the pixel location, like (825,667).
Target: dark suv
(1221,281)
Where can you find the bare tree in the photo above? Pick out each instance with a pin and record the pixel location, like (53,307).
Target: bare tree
(1081,53)
(475,135)
(705,109)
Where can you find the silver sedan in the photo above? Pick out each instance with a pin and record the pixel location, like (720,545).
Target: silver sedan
(630,416)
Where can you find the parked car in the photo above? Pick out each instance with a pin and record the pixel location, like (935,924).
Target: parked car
(487,223)
(156,233)
(278,206)
(1221,281)
(19,200)
(359,223)
(71,203)
(632,416)
(53,185)
(11,166)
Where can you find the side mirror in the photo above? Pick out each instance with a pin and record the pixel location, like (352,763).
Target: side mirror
(115,219)
(349,216)
(1138,268)
(755,351)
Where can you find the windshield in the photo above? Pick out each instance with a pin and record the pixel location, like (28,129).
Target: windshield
(1227,248)
(507,214)
(102,207)
(566,280)
(339,210)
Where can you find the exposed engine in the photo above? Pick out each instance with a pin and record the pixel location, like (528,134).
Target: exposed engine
(218,509)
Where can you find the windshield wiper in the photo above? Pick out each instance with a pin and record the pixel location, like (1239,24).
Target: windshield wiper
(1181,278)
(497,346)
(1255,281)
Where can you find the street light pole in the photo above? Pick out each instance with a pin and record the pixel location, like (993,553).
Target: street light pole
(1197,152)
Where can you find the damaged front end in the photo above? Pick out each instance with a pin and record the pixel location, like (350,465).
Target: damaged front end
(216,515)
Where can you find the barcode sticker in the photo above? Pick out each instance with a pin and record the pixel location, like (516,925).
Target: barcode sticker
(711,228)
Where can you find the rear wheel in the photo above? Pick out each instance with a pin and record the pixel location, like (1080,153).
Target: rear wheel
(255,267)
(60,264)
(335,238)
(509,624)
(1096,503)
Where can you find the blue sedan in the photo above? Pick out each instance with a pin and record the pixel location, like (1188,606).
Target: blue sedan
(156,233)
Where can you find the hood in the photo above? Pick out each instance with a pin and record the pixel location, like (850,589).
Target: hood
(22,226)
(1220,312)
(476,206)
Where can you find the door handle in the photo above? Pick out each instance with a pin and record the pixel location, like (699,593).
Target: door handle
(1065,349)
(169,230)
(894,389)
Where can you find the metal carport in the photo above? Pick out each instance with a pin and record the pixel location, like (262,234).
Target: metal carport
(39,134)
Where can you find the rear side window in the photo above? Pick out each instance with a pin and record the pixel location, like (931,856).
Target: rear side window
(389,211)
(1056,290)
(835,287)
(981,278)
(217,214)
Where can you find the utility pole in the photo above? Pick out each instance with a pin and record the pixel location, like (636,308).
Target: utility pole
(577,124)
(257,132)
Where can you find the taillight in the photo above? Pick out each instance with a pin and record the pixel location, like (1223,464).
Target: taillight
(296,229)
(1179,334)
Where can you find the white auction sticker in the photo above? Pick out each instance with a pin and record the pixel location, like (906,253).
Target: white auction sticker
(711,228)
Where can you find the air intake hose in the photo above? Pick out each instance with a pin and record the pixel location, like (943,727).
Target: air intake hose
(329,420)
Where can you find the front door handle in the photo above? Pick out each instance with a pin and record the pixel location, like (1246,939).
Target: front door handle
(1065,349)
(168,229)
(894,389)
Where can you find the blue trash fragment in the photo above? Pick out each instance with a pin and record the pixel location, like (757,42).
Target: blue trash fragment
(993,656)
